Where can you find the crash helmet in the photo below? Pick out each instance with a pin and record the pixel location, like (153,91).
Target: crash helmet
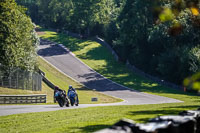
(70,86)
(56,88)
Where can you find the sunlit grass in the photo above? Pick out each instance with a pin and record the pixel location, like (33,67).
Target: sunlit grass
(95,118)
(102,61)
(89,119)
(63,81)
(45,90)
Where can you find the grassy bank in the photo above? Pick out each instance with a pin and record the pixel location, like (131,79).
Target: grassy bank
(89,119)
(102,61)
(95,118)
(63,81)
(90,52)
(45,90)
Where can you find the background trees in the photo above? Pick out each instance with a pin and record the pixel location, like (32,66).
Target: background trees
(159,37)
(18,40)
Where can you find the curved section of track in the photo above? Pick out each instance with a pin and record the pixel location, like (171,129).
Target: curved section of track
(62,59)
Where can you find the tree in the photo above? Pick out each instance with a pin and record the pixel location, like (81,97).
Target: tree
(89,17)
(18,40)
(133,22)
(159,37)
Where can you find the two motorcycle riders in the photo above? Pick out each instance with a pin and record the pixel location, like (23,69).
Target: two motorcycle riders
(61,97)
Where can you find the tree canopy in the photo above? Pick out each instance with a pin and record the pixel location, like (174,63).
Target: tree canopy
(18,40)
(160,37)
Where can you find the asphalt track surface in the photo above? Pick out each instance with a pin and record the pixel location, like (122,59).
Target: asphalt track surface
(66,62)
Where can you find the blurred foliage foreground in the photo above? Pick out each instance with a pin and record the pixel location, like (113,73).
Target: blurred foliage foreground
(193,82)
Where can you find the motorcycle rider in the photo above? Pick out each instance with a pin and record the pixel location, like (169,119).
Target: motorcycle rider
(72,89)
(58,92)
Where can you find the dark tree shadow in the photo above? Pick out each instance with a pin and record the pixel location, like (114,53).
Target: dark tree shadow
(112,69)
(92,128)
(53,50)
(69,42)
(172,110)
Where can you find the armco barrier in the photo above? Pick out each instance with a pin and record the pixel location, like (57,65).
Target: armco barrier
(51,85)
(22,99)
(185,122)
(135,69)
(102,42)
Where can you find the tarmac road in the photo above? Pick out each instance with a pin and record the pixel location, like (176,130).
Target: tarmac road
(62,59)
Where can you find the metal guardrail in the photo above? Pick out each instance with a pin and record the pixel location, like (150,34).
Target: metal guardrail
(22,99)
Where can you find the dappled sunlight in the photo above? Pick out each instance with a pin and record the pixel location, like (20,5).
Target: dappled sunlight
(101,60)
(129,83)
(88,50)
(63,81)
(149,85)
(122,75)
(48,34)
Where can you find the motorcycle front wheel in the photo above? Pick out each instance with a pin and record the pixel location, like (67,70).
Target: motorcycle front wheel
(60,102)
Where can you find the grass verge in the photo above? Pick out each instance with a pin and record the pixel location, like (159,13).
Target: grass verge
(90,52)
(45,90)
(63,81)
(88,119)
(95,118)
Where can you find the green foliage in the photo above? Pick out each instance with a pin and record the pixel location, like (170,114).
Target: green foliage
(32,10)
(177,40)
(95,118)
(81,16)
(18,40)
(193,82)
(158,38)
(86,120)
(150,34)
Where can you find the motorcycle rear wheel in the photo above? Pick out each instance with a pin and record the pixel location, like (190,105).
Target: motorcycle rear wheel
(72,101)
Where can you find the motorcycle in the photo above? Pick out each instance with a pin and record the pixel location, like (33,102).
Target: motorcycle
(60,97)
(73,97)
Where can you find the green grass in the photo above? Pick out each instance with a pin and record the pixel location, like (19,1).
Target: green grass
(95,118)
(63,81)
(102,61)
(88,119)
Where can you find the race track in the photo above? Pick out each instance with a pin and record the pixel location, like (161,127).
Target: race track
(62,59)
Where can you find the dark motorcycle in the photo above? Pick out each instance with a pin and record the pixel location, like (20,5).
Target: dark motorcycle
(60,96)
(73,97)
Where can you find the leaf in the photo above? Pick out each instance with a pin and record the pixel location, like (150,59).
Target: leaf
(194,11)
(166,15)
